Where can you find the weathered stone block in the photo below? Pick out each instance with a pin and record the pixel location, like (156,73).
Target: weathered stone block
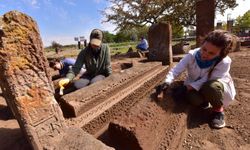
(181,48)
(160,47)
(96,105)
(27,88)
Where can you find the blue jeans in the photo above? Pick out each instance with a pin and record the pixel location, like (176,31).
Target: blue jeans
(85,80)
(140,48)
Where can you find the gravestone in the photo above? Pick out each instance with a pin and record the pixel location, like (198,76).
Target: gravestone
(230,24)
(205,14)
(159,40)
(219,25)
(27,88)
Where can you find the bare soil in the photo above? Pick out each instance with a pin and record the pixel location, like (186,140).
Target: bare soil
(196,133)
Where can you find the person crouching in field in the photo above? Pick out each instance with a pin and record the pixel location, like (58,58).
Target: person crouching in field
(63,67)
(208,79)
(97,60)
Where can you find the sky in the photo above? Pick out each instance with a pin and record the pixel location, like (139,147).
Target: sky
(62,20)
(243,7)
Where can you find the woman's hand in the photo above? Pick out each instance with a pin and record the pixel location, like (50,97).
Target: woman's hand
(189,88)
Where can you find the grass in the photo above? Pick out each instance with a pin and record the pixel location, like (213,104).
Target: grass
(115,48)
(72,51)
(121,44)
(121,48)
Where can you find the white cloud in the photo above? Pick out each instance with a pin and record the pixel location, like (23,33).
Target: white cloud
(64,40)
(47,2)
(242,8)
(98,1)
(108,27)
(70,2)
(32,3)
(62,13)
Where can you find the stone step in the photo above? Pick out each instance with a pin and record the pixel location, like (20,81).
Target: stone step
(84,141)
(84,99)
(116,97)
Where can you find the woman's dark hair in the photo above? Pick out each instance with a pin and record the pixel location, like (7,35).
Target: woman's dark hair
(221,39)
(52,64)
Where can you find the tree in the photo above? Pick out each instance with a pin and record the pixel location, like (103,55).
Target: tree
(242,23)
(132,34)
(130,13)
(108,37)
(177,31)
(136,32)
(54,44)
(122,36)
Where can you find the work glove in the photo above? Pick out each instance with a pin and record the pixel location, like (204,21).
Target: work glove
(62,84)
(179,93)
(160,88)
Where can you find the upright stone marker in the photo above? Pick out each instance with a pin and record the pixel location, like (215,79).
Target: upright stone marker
(27,87)
(205,14)
(230,24)
(160,47)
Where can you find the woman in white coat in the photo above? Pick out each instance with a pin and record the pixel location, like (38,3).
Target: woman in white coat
(208,79)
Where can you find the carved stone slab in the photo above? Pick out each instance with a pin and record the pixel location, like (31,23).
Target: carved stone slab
(27,88)
(159,39)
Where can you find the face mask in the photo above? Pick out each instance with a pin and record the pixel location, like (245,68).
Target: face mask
(96,50)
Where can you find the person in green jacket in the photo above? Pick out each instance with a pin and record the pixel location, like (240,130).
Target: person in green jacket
(97,60)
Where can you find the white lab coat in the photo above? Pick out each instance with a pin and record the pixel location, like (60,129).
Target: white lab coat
(197,76)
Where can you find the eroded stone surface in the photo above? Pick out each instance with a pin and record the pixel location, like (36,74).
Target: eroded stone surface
(150,125)
(98,104)
(159,40)
(27,88)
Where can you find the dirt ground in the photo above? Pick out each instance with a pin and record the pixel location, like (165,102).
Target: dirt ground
(198,134)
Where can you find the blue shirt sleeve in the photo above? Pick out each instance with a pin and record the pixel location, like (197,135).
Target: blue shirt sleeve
(67,62)
(143,44)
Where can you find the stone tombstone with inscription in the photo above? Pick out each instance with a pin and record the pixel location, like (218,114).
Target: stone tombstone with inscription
(160,38)
(27,88)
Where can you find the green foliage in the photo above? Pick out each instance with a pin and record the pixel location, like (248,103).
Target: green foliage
(108,37)
(243,22)
(136,32)
(113,45)
(62,48)
(177,31)
(141,31)
(54,45)
(122,48)
(127,14)
(122,36)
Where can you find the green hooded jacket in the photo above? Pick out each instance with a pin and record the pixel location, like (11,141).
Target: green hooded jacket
(95,64)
